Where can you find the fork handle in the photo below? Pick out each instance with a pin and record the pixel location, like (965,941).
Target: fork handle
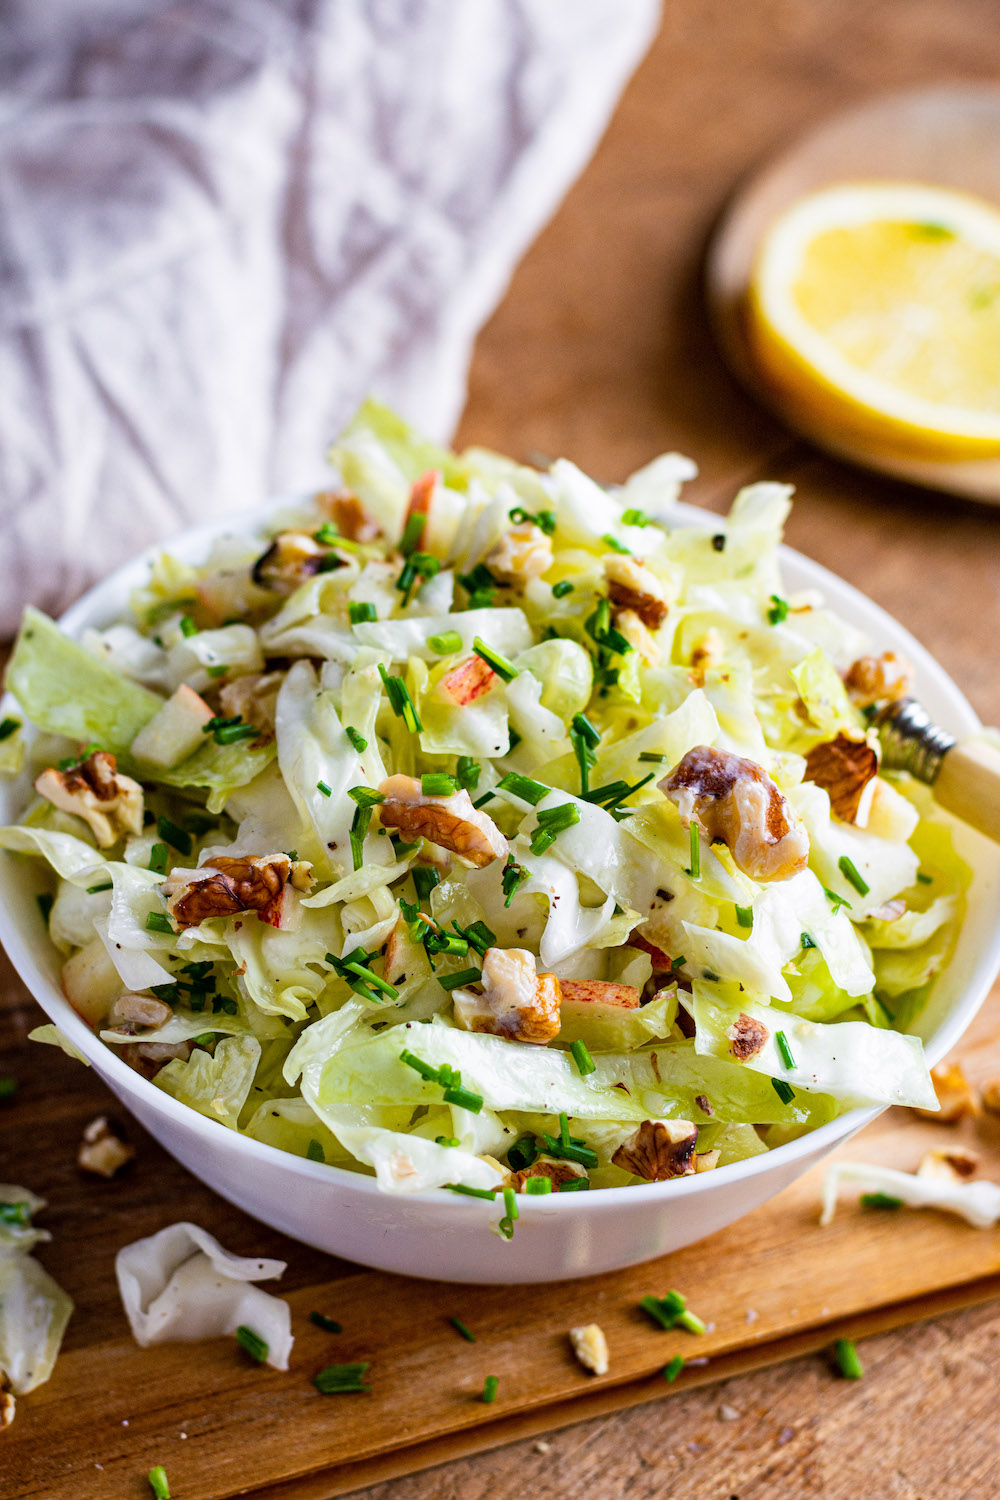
(968,785)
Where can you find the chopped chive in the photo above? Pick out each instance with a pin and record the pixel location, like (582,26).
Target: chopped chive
(836,901)
(365,796)
(522,1153)
(490,1387)
(342,1380)
(478,936)
(781,1042)
(93,890)
(425,878)
(850,872)
(314,1151)
(8,1087)
(891,1014)
(848,1363)
(925,879)
(18,1214)
(778,610)
(187,626)
(159,857)
(615,545)
(159,1483)
(328,1325)
(744,916)
(468,772)
(523,787)
(807,941)
(506,1225)
(229,734)
(438,784)
(784,1091)
(446,643)
(252,1343)
(412,533)
(358,833)
(575,1185)
(419,1066)
(633,517)
(585,728)
(570,1149)
(537,1186)
(460,1327)
(357,740)
(464,1099)
(504,669)
(695,840)
(652,757)
(880,1200)
(173,835)
(400,701)
(451,1141)
(513,876)
(581,1056)
(719,541)
(217,671)
(373,979)
(9,727)
(325,788)
(453,981)
(672,1311)
(482,801)
(158,921)
(561,589)
(361,614)
(673,1369)
(470,1192)
(678,963)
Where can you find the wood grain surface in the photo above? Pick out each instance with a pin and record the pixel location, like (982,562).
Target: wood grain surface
(601,351)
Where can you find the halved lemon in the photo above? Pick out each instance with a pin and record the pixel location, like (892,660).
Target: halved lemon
(873,315)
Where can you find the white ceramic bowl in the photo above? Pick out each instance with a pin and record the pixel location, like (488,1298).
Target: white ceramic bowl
(439,1234)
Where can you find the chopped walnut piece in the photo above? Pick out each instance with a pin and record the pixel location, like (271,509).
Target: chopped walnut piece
(659,1149)
(991,1096)
(704,1104)
(148,1058)
(879,679)
(590,1347)
(522,553)
(292,558)
(515,1003)
(747,1037)
(954,1094)
(735,800)
(132,1014)
(8,1407)
(557,1172)
(600,992)
(451,821)
(632,586)
(349,516)
(706,1161)
(95,790)
(227,885)
(102,1150)
(846,769)
(639,636)
(470,680)
(954,1165)
(253,698)
(706,655)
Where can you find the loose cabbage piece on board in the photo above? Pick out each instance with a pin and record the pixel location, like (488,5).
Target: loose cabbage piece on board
(34,1309)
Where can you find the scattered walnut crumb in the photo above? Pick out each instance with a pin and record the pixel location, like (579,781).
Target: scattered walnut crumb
(956,1164)
(590,1347)
(954,1093)
(102,1150)
(542,1447)
(991,1096)
(727,1413)
(8,1407)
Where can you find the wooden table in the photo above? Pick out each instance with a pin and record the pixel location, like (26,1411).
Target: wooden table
(600,352)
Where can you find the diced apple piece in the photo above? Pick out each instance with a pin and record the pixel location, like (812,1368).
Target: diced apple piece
(91,983)
(175,732)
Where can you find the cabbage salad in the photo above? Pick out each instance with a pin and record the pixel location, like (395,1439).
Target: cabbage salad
(475,827)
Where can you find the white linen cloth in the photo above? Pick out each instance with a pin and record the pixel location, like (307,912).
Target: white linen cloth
(223,223)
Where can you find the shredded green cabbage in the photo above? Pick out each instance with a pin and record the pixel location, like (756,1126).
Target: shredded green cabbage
(418,905)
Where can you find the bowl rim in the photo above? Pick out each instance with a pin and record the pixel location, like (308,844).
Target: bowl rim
(244,523)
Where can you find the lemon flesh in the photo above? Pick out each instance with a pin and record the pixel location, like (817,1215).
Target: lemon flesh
(874,317)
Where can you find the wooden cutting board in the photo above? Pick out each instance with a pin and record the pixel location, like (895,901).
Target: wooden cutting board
(770,1287)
